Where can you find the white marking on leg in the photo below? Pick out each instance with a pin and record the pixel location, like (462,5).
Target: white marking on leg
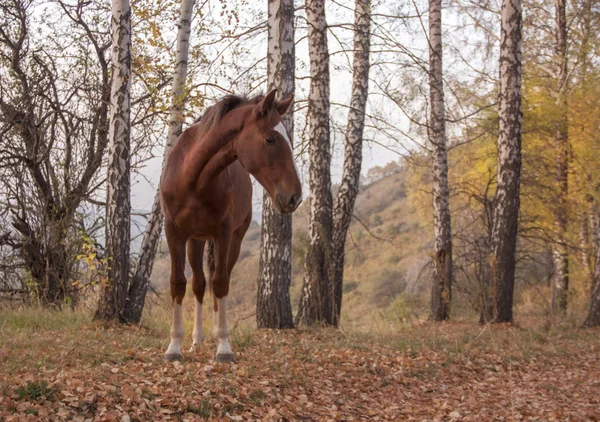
(283,132)
(176,331)
(198,333)
(220,330)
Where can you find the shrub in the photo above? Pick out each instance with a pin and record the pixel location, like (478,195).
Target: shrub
(354,257)
(393,259)
(398,310)
(388,284)
(245,253)
(377,220)
(349,286)
(358,234)
(392,229)
(300,243)
(252,235)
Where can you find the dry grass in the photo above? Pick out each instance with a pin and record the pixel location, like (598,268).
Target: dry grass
(60,366)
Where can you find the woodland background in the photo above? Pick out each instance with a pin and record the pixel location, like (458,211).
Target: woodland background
(427,130)
(59,52)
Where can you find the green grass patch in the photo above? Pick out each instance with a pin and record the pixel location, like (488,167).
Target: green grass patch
(242,337)
(36,390)
(34,318)
(31,411)
(257,396)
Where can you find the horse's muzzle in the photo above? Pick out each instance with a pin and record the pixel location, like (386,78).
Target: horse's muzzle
(288,205)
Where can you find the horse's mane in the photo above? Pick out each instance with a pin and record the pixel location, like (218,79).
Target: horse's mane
(215,113)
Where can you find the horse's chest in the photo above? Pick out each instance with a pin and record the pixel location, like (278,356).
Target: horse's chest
(201,219)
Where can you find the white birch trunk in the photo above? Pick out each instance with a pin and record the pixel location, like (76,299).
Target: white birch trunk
(118,205)
(561,136)
(346,197)
(593,317)
(317,295)
(441,291)
(273,305)
(586,254)
(152,234)
(498,294)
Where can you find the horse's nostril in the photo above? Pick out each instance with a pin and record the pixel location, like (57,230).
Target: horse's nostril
(293,201)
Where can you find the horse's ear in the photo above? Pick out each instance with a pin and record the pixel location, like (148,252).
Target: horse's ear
(266,103)
(284,106)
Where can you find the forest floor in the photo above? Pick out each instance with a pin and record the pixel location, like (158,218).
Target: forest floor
(60,366)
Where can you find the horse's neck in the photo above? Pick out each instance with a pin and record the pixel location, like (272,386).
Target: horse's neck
(216,164)
(209,158)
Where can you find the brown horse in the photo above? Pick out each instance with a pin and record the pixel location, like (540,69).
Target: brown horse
(207,194)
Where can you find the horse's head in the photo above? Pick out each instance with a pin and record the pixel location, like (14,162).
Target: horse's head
(265,151)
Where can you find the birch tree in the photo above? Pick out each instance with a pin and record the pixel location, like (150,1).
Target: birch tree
(273,305)
(498,294)
(593,316)
(317,295)
(346,197)
(152,234)
(441,292)
(561,137)
(118,202)
(589,215)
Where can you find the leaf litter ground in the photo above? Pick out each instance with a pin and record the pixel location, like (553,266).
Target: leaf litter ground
(452,371)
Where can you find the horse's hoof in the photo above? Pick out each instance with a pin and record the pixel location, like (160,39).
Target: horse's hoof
(195,349)
(171,357)
(225,357)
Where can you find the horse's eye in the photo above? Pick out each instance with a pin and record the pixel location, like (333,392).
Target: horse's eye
(270,140)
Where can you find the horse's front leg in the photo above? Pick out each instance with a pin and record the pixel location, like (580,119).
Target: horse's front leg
(178,283)
(220,285)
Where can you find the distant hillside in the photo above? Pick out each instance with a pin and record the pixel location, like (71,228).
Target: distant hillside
(386,254)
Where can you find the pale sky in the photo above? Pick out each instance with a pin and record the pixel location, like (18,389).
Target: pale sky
(143,188)
(398,68)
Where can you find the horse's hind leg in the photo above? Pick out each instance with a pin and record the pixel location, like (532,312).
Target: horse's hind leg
(195,251)
(177,252)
